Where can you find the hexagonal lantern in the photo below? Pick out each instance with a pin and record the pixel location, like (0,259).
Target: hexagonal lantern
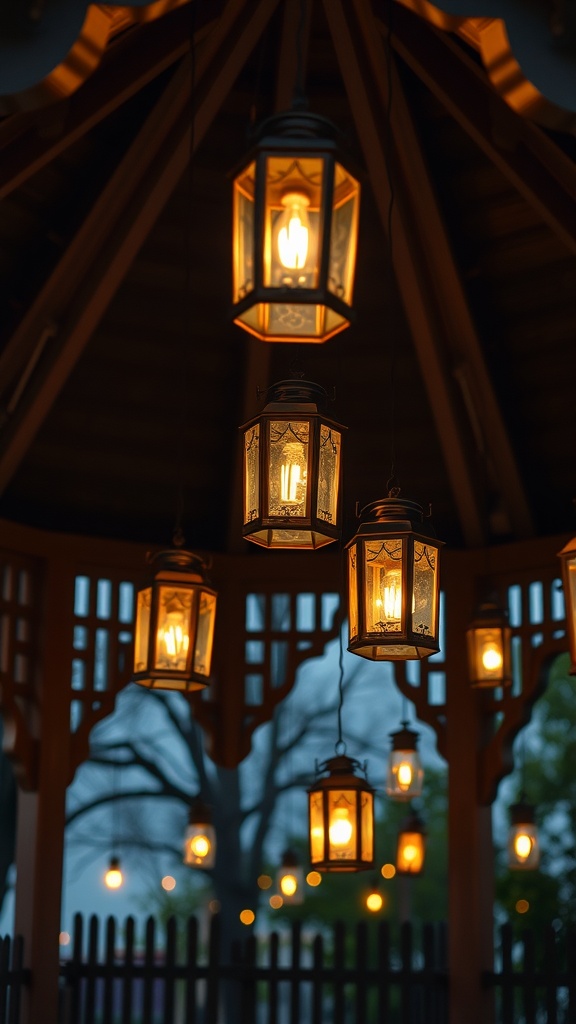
(405,774)
(199,837)
(411,848)
(490,648)
(523,846)
(568,559)
(292,469)
(295,232)
(175,616)
(290,879)
(341,818)
(393,583)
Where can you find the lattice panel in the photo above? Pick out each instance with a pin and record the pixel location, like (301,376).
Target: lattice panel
(19,619)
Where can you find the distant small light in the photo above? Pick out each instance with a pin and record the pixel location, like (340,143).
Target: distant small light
(168,883)
(388,871)
(522,906)
(114,878)
(313,878)
(214,906)
(264,881)
(247,916)
(374,902)
(276,902)
(64,939)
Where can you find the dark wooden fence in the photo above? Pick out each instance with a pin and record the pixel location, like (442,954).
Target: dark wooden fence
(348,975)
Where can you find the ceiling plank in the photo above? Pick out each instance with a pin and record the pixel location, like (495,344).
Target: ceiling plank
(409,266)
(82,285)
(459,331)
(531,162)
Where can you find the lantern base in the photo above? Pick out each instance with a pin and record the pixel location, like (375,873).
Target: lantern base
(275,537)
(161,682)
(348,867)
(392,652)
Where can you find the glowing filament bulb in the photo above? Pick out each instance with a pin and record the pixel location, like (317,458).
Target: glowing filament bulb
(293,474)
(491,656)
(288,884)
(404,775)
(114,877)
(294,235)
(200,846)
(522,846)
(374,902)
(340,830)
(410,853)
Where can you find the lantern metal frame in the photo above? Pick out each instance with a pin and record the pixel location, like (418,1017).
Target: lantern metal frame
(315,526)
(290,865)
(199,824)
(404,742)
(342,779)
(490,625)
(293,136)
(567,558)
(523,822)
(184,572)
(413,825)
(387,520)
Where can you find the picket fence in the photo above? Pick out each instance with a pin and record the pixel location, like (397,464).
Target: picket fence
(349,975)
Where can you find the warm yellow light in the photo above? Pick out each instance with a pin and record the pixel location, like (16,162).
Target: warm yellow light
(247,916)
(64,939)
(374,902)
(388,871)
(276,901)
(340,830)
(313,878)
(264,881)
(168,883)
(410,852)
(294,233)
(404,775)
(113,878)
(491,657)
(522,846)
(293,473)
(288,884)
(200,845)
(522,906)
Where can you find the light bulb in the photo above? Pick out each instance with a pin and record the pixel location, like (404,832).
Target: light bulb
(200,845)
(491,657)
(374,902)
(409,852)
(114,877)
(340,830)
(522,846)
(294,233)
(292,473)
(404,776)
(288,884)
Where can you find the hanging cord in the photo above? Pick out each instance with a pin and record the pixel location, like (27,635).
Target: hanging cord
(299,100)
(340,746)
(391,485)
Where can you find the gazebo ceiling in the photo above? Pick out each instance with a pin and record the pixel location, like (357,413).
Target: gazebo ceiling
(122,378)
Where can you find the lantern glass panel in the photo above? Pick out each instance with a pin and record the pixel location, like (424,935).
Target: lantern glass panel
(352,592)
(288,468)
(410,857)
(424,617)
(488,654)
(342,824)
(523,847)
(251,473)
(405,775)
(205,633)
(173,635)
(293,203)
(142,633)
(367,824)
(383,585)
(329,473)
(343,234)
(244,191)
(316,827)
(570,600)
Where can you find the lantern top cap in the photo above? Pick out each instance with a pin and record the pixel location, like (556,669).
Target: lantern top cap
(200,813)
(178,559)
(297,391)
(114,864)
(343,768)
(413,823)
(297,125)
(522,813)
(404,738)
(391,508)
(569,549)
(490,614)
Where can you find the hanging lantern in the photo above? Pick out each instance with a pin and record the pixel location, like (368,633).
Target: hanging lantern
(393,583)
(175,617)
(114,879)
(523,846)
(200,837)
(405,773)
(373,899)
(489,648)
(295,232)
(341,818)
(411,848)
(568,559)
(290,879)
(292,470)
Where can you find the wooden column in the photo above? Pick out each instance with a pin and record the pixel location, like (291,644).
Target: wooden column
(41,814)
(471,855)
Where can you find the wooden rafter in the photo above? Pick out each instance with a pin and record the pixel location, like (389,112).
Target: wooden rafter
(87,276)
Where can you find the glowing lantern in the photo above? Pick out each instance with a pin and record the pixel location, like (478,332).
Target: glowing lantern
(175,617)
(295,233)
(114,879)
(292,470)
(523,845)
(341,818)
(200,837)
(290,879)
(393,583)
(489,648)
(568,559)
(411,848)
(405,773)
